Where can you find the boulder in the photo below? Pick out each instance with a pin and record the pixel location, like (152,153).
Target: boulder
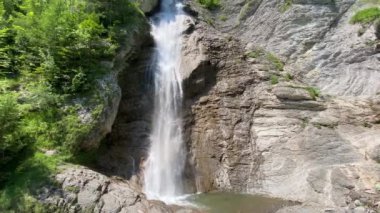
(84,190)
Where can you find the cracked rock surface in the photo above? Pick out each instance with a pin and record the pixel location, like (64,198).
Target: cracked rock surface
(80,189)
(248,134)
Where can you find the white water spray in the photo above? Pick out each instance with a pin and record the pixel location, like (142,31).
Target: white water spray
(165,163)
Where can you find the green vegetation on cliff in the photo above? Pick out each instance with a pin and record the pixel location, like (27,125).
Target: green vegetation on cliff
(51,55)
(286,5)
(210,4)
(274,61)
(366,16)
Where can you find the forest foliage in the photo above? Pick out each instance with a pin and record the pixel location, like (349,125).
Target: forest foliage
(50,54)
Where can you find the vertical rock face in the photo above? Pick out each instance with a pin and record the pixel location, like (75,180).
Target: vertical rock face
(127,145)
(248,133)
(313,36)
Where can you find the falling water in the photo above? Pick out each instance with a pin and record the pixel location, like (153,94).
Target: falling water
(164,166)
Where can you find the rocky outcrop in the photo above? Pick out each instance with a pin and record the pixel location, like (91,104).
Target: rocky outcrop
(80,189)
(126,146)
(248,133)
(103,104)
(314,37)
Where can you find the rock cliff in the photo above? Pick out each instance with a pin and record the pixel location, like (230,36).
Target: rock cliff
(314,37)
(254,121)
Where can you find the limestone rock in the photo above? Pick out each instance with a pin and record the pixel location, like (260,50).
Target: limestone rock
(84,190)
(247,135)
(292,93)
(109,91)
(314,37)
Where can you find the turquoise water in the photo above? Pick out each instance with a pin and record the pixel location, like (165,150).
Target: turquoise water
(222,202)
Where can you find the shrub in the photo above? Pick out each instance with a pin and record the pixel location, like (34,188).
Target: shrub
(10,134)
(366,16)
(210,4)
(278,64)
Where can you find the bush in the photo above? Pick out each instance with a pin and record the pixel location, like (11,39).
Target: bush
(50,56)
(210,4)
(366,16)
(11,136)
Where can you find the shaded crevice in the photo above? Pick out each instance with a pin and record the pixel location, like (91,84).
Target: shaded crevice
(127,144)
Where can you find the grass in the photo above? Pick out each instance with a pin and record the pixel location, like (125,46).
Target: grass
(247,8)
(274,79)
(314,92)
(271,58)
(278,64)
(376,2)
(210,4)
(35,171)
(286,6)
(255,53)
(223,18)
(210,22)
(366,16)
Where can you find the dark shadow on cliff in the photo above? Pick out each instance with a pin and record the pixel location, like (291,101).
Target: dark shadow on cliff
(197,85)
(127,144)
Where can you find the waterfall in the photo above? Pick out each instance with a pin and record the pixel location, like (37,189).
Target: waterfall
(165,163)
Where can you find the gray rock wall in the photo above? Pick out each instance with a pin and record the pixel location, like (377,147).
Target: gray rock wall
(246,134)
(314,37)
